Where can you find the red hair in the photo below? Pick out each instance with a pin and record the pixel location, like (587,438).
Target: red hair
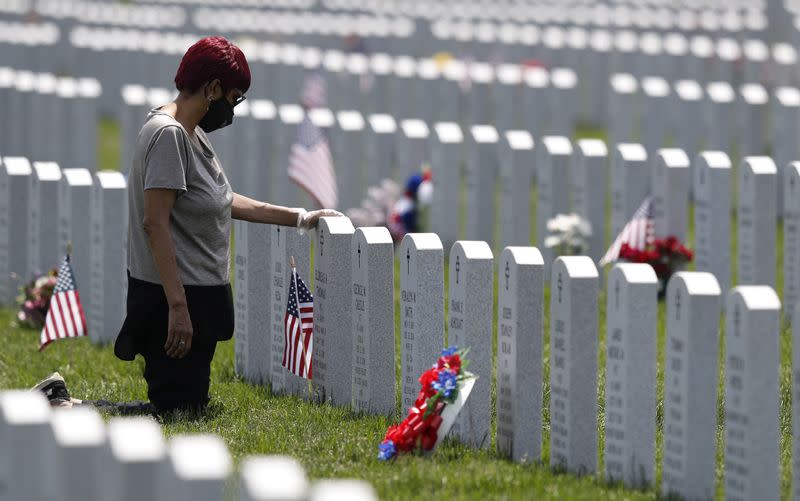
(210,58)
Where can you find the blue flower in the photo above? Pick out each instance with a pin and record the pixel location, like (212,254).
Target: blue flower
(449,352)
(446,383)
(386,450)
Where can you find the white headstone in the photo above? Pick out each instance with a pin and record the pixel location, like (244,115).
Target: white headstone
(380,148)
(655,107)
(446,156)
(348,149)
(553,187)
(372,265)
(132,460)
(752,122)
(336,490)
(752,393)
(516,178)
(333,318)
(671,181)
(791,240)
(520,310)
(689,134)
(412,147)
(622,107)
(253,294)
(74,211)
(589,189)
(44,252)
(108,256)
(25,434)
(690,383)
(756,222)
(15,187)
(712,215)
(573,364)
(197,468)
(630,184)
(482,157)
(630,411)
(720,115)
(77,453)
(470,326)
(421,309)
(785,128)
(273,478)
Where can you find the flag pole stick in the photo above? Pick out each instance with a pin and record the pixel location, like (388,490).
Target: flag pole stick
(292,261)
(69,247)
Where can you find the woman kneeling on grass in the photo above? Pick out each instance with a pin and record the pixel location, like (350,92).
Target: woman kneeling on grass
(180,210)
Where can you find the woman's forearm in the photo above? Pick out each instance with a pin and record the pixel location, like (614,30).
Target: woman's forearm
(163,249)
(253,211)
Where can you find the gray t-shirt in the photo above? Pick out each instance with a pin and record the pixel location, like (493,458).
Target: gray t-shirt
(200,222)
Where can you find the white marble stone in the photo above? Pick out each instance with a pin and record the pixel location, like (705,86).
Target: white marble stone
(380,148)
(108,256)
(77,453)
(785,128)
(671,181)
(44,253)
(412,148)
(573,365)
(348,155)
(25,434)
(481,172)
(630,184)
(752,393)
(15,187)
(630,410)
(333,318)
(520,307)
(791,240)
(752,119)
(133,459)
(656,101)
(689,99)
(272,478)
(516,179)
(446,158)
(553,182)
(470,326)
(720,116)
(197,468)
(336,490)
(589,191)
(690,384)
(74,214)
(756,222)
(372,265)
(421,309)
(712,215)
(624,90)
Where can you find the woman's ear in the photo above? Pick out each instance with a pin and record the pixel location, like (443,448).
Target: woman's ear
(213,89)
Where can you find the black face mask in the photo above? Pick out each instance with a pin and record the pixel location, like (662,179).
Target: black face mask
(219,115)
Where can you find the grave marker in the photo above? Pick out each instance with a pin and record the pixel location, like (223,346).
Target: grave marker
(630,411)
(553,187)
(348,158)
(692,354)
(630,184)
(753,119)
(520,307)
(412,147)
(516,177)
(108,284)
(380,148)
(657,98)
(712,215)
(197,468)
(333,318)
(74,201)
(756,221)
(785,127)
(25,434)
(44,253)
(133,460)
(446,156)
(253,293)
(752,393)
(720,115)
(15,186)
(372,264)
(470,326)
(421,309)
(671,181)
(480,178)
(273,478)
(573,365)
(77,453)
(689,134)
(791,240)
(589,186)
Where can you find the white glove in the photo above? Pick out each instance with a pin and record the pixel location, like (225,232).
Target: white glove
(308,220)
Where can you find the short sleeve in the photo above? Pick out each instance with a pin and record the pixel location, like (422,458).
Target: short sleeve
(167,160)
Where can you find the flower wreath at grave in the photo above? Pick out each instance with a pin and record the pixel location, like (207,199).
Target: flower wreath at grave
(666,256)
(446,385)
(34,301)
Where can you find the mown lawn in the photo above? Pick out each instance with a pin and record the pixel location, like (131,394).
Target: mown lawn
(335,442)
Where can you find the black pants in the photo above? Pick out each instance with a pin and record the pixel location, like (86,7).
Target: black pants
(172,383)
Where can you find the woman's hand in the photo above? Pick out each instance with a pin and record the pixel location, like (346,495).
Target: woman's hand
(179,333)
(309,220)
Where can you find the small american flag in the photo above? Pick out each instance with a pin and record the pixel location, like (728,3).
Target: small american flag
(65,316)
(299,331)
(637,233)
(311,165)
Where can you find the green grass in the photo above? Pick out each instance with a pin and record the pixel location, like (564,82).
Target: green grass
(335,442)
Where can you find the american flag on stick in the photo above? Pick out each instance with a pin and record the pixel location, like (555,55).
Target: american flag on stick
(638,233)
(311,165)
(299,328)
(65,318)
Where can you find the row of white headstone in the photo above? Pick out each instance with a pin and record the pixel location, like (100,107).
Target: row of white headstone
(73,455)
(354,350)
(43,209)
(49,118)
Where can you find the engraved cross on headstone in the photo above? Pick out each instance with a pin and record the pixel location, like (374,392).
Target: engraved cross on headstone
(507,275)
(408,261)
(359,255)
(321,240)
(678,304)
(458,268)
(559,284)
(616,295)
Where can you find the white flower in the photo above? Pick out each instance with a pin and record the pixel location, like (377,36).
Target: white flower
(552,241)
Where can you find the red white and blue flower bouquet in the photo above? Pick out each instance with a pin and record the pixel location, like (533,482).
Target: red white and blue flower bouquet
(445,388)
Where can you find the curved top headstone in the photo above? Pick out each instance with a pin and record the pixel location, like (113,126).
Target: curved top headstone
(422,241)
(414,128)
(756,297)
(525,255)
(788,96)
(448,132)
(760,165)
(382,123)
(484,134)
(24,407)
(135,440)
(519,139)
(697,283)
(557,145)
(577,266)
(715,159)
(632,152)
(635,273)
(593,147)
(78,427)
(200,457)
(17,166)
(474,249)
(274,478)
